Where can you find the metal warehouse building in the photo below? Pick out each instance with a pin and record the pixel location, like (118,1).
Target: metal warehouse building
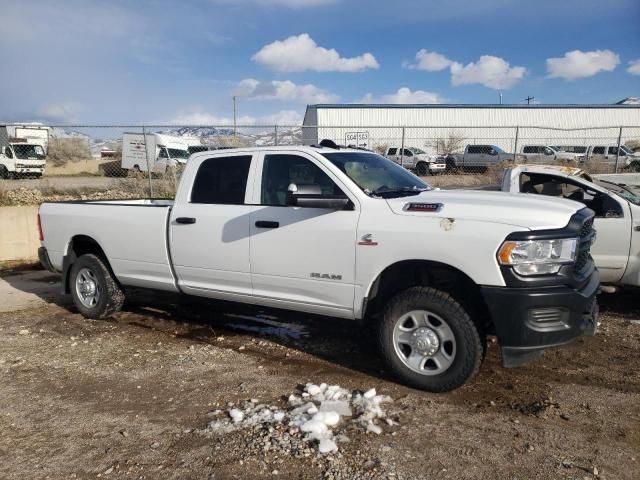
(507,126)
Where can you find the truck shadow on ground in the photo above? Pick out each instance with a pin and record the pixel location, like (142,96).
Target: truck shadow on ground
(347,347)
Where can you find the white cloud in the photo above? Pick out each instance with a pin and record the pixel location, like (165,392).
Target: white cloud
(283,117)
(579,64)
(404,95)
(429,61)
(283,90)
(634,67)
(199,117)
(300,53)
(490,71)
(60,112)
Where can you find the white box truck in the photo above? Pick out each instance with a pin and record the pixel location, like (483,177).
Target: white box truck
(157,154)
(23,150)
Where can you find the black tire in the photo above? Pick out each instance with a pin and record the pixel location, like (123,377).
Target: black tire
(634,167)
(451,165)
(4,173)
(470,343)
(110,298)
(422,169)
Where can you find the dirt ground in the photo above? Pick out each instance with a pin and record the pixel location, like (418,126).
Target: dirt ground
(131,397)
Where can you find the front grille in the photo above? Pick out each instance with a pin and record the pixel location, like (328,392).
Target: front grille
(587,228)
(583,255)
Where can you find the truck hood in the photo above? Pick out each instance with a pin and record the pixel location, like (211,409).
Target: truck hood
(528,211)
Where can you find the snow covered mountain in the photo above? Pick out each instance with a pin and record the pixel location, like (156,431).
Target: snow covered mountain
(244,136)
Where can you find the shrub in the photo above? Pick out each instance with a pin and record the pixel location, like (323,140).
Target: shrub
(64,150)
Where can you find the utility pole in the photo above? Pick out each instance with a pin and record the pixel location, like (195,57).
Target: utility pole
(234,116)
(528,99)
(500,98)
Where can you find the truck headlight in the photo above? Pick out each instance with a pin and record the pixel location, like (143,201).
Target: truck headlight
(538,257)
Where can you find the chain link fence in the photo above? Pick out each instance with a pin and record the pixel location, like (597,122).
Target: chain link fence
(118,161)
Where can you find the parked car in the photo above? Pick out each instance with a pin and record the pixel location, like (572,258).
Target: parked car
(546,154)
(478,156)
(609,154)
(415,159)
(346,233)
(615,199)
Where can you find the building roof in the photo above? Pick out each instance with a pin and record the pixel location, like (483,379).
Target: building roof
(470,105)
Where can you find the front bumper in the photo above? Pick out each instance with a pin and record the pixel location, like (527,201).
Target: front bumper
(528,321)
(437,167)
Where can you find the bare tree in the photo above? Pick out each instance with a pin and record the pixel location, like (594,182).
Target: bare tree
(453,143)
(63,150)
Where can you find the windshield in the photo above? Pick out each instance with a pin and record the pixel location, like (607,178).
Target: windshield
(376,175)
(25,151)
(626,150)
(177,153)
(497,149)
(630,193)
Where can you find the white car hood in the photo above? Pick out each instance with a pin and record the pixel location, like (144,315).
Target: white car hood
(529,211)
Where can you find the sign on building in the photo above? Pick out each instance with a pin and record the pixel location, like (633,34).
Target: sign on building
(357,139)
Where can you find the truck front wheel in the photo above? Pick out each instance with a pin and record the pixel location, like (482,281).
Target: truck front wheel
(422,169)
(429,341)
(95,292)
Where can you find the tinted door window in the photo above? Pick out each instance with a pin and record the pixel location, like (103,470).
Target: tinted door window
(392,151)
(598,150)
(222,180)
(280,171)
(474,149)
(529,149)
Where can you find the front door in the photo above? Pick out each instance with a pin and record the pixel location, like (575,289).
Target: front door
(209,229)
(301,257)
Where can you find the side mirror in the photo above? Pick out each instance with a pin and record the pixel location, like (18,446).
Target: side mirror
(310,196)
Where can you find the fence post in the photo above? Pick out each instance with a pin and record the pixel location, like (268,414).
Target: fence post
(402,149)
(618,151)
(146,154)
(275,129)
(515,145)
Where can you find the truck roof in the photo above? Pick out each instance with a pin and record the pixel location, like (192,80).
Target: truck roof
(300,148)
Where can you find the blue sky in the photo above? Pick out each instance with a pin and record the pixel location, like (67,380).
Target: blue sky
(79,62)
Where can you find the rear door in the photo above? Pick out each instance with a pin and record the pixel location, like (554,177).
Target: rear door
(301,257)
(209,228)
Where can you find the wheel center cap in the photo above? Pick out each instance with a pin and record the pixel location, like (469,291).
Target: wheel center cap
(88,287)
(425,341)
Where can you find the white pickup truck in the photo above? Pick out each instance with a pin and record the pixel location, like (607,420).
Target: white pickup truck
(416,159)
(345,233)
(615,199)
(547,154)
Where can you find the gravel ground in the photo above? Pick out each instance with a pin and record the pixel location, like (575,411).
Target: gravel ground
(133,397)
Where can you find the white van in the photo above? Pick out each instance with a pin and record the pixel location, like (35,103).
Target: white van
(157,154)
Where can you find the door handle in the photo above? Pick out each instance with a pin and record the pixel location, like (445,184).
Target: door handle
(267,224)
(186,220)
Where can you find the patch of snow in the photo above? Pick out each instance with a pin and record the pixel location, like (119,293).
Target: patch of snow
(315,412)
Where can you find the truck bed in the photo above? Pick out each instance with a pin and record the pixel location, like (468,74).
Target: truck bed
(132,234)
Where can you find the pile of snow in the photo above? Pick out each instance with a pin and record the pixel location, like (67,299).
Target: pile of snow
(315,413)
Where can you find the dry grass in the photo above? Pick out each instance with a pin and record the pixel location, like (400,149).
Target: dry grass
(80,167)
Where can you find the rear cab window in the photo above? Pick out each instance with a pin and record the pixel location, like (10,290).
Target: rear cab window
(222,180)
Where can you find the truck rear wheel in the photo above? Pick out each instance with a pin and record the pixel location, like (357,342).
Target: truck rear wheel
(429,341)
(95,292)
